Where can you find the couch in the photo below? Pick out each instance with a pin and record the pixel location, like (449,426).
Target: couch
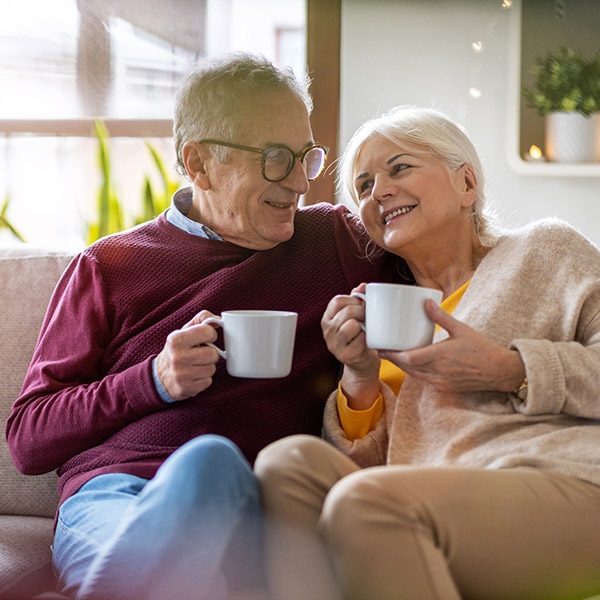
(27,504)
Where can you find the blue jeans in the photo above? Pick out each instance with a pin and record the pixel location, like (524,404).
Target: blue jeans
(182,534)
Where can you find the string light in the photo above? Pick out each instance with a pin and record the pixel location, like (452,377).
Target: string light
(535,154)
(479,47)
(560,9)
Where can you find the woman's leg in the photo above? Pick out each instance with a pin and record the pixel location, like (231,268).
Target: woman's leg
(296,474)
(170,539)
(401,533)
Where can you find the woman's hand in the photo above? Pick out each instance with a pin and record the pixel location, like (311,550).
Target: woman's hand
(346,341)
(465,362)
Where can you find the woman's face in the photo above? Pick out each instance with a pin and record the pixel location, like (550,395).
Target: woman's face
(411,199)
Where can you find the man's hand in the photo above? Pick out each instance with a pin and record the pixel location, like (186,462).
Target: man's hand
(185,365)
(465,362)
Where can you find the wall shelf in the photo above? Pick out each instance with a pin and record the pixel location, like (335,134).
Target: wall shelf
(550,169)
(537,34)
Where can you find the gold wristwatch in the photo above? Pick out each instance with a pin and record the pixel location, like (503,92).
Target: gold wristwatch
(521,391)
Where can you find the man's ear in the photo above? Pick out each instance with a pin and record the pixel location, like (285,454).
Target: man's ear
(195,158)
(468,184)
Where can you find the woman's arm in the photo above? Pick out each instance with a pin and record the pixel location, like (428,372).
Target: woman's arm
(466,361)
(346,341)
(565,376)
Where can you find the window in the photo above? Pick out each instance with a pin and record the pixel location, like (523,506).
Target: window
(68,62)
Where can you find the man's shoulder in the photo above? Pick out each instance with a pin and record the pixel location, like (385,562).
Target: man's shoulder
(140,235)
(324,208)
(131,250)
(329,218)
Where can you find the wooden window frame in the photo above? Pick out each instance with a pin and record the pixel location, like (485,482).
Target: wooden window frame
(323,41)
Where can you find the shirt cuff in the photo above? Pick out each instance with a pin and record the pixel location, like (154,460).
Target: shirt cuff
(160,388)
(357,423)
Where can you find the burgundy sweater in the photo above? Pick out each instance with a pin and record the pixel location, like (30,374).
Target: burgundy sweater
(89,405)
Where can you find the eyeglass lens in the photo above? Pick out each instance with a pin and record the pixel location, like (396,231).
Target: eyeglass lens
(314,161)
(278,163)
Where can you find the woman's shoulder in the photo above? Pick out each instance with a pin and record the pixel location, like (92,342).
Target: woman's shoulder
(544,249)
(548,235)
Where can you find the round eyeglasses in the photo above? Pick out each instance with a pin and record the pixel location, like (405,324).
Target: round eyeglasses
(278,161)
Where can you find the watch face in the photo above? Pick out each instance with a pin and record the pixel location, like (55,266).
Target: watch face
(521,391)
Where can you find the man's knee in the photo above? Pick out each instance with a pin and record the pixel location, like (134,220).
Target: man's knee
(206,467)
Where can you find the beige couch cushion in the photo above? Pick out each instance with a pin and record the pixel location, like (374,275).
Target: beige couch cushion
(28,276)
(26,567)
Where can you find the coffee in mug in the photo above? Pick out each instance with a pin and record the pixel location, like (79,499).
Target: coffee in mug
(395,317)
(258,343)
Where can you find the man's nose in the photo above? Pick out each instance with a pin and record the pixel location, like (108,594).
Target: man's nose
(296,179)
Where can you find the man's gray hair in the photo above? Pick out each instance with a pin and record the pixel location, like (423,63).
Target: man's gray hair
(412,127)
(211,98)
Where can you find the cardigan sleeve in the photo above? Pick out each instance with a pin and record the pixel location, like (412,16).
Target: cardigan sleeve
(563,367)
(67,403)
(563,377)
(370,450)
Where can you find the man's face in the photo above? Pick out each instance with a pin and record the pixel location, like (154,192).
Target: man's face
(243,207)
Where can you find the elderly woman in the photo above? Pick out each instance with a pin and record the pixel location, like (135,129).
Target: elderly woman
(469,468)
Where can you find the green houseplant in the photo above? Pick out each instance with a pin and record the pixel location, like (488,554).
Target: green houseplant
(566,92)
(565,81)
(110,212)
(6,224)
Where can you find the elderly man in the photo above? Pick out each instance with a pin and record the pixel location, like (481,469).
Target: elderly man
(152,439)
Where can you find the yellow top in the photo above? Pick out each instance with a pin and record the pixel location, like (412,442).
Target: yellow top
(357,423)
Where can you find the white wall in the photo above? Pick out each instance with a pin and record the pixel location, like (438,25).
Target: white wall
(419,52)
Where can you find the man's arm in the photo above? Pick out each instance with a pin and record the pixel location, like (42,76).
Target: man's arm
(67,404)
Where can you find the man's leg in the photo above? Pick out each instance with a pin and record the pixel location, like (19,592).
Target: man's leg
(85,521)
(173,537)
(402,532)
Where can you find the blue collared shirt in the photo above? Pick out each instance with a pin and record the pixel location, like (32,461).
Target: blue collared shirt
(176,215)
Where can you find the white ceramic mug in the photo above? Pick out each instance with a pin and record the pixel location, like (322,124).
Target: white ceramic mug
(258,343)
(395,317)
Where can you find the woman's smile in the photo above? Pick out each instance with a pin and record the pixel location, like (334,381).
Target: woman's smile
(397,212)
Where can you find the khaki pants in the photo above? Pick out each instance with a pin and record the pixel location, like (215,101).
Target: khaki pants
(410,533)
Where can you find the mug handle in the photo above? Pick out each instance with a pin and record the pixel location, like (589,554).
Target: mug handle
(218,321)
(364,299)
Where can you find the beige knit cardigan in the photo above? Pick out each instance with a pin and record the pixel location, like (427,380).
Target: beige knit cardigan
(537,290)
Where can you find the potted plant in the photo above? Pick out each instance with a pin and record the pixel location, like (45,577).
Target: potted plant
(566,92)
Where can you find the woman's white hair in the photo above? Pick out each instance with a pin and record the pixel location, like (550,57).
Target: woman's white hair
(415,128)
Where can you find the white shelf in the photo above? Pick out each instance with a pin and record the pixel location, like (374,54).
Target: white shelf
(552,169)
(515,160)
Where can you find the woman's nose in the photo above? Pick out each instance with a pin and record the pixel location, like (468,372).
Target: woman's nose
(382,188)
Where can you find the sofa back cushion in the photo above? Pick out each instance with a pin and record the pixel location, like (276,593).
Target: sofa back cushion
(28,276)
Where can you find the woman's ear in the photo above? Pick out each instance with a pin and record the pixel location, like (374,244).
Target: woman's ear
(467,184)
(195,158)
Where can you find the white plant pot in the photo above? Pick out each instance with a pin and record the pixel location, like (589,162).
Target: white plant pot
(572,137)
